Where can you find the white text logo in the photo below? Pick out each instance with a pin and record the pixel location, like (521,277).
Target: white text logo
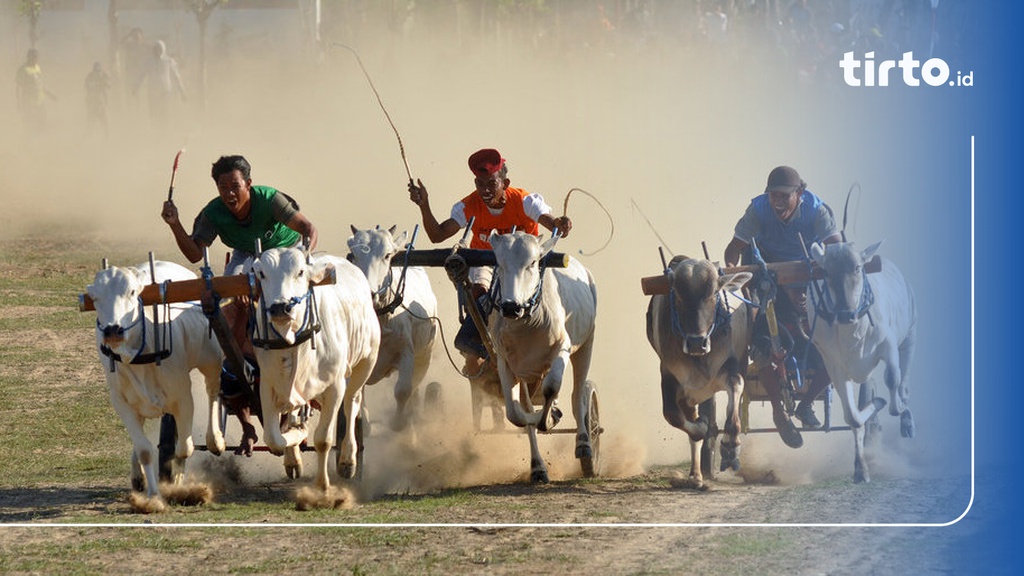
(934,71)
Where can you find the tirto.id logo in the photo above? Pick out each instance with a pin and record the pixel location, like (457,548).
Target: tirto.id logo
(934,71)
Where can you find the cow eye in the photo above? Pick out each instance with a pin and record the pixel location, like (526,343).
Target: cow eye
(301,273)
(262,275)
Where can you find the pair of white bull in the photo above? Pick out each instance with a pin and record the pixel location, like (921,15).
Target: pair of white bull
(857,324)
(330,366)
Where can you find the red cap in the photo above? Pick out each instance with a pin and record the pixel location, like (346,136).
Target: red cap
(486,162)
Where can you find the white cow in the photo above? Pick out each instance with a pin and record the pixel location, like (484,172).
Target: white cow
(405,305)
(140,388)
(313,344)
(859,321)
(540,321)
(702,348)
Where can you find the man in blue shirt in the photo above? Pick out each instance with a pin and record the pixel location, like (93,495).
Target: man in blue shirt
(776,220)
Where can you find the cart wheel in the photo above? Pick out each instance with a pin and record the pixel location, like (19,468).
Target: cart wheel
(433,400)
(165,447)
(591,464)
(706,411)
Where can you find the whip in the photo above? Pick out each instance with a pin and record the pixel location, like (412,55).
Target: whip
(611,234)
(401,147)
(651,226)
(174,170)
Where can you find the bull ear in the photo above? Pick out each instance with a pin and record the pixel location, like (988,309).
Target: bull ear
(733,282)
(400,241)
(868,252)
(320,271)
(490,237)
(818,253)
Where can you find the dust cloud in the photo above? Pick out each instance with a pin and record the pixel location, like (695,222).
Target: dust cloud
(666,132)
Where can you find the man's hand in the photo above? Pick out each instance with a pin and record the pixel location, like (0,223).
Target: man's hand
(564,225)
(417,193)
(170,213)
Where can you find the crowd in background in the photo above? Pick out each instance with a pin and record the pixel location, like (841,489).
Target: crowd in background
(803,38)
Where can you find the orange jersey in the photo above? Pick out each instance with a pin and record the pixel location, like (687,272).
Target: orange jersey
(512,215)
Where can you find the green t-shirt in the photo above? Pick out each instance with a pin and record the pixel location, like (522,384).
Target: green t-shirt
(269,212)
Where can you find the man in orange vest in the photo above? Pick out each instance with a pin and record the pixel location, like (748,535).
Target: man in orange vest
(495,206)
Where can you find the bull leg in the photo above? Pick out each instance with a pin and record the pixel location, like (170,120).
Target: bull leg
(696,476)
(892,376)
(675,410)
(550,387)
(856,417)
(476,397)
(538,469)
(906,354)
(184,447)
(730,443)
(352,405)
(277,440)
(581,397)
(860,465)
(403,392)
(293,462)
(323,436)
(214,435)
(144,455)
(513,409)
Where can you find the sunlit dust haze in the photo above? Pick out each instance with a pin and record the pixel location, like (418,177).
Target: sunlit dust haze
(672,138)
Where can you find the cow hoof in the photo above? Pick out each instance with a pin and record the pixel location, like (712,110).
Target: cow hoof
(347,471)
(584,451)
(539,477)
(907,424)
(138,484)
(860,474)
(294,472)
(554,417)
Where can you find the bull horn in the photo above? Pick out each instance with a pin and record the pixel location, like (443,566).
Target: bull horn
(549,245)
(105,263)
(392,229)
(353,227)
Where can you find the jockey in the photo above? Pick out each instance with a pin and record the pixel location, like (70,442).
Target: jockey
(495,206)
(776,220)
(241,214)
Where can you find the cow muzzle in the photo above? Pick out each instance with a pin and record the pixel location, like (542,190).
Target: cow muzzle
(697,345)
(512,309)
(113,335)
(280,310)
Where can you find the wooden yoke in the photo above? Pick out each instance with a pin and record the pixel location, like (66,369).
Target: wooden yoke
(795,272)
(189,290)
(472,256)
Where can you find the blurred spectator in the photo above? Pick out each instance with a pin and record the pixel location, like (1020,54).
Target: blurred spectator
(30,92)
(134,57)
(162,82)
(97,86)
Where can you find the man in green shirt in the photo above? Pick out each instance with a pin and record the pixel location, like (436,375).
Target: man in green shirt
(240,215)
